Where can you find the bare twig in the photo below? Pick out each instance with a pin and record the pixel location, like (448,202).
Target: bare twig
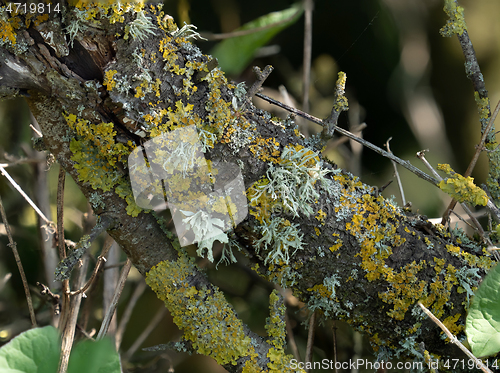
(13,246)
(343,139)
(100,262)
(68,332)
(306,74)
(112,307)
(65,323)
(145,333)
(310,339)
(28,199)
(51,297)
(474,159)
(41,196)
(334,332)
(139,290)
(110,281)
(454,339)
(35,129)
(261,77)
(396,173)
(421,156)
(350,135)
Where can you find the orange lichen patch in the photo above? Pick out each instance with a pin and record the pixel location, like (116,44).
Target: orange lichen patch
(451,324)
(321,216)
(8,27)
(373,226)
(406,289)
(266,149)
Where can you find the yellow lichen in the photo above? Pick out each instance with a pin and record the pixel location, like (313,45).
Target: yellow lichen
(108,79)
(202,314)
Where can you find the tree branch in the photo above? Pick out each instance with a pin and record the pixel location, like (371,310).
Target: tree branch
(341,247)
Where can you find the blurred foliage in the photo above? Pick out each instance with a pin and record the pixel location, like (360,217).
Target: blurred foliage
(403,80)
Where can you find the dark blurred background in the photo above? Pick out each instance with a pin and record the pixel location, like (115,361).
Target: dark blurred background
(404,81)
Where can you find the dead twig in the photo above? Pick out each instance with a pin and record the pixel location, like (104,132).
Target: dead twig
(145,333)
(261,77)
(310,339)
(454,339)
(114,303)
(479,228)
(13,246)
(396,173)
(28,199)
(51,297)
(139,290)
(306,75)
(472,164)
(405,164)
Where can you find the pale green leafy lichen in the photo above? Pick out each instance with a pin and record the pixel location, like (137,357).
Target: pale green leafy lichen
(140,27)
(279,237)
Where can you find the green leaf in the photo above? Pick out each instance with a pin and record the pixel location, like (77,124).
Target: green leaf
(483,321)
(236,53)
(95,357)
(34,351)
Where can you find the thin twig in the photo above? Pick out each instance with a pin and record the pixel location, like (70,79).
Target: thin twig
(310,339)
(36,130)
(479,228)
(405,164)
(472,164)
(51,297)
(421,156)
(13,246)
(343,139)
(396,173)
(145,333)
(454,339)
(100,262)
(67,332)
(139,290)
(112,307)
(28,199)
(261,77)
(334,331)
(110,281)
(60,213)
(306,73)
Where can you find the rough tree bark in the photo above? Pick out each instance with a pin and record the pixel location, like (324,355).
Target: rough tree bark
(102,80)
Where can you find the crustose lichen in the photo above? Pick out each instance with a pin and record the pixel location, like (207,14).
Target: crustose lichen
(141,26)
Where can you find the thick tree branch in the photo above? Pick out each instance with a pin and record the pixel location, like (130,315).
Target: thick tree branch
(343,249)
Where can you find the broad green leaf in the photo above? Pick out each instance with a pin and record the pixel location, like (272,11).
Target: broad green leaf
(236,53)
(34,351)
(483,321)
(95,357)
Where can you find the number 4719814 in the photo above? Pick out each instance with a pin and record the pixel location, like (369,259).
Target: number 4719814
(32,8)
